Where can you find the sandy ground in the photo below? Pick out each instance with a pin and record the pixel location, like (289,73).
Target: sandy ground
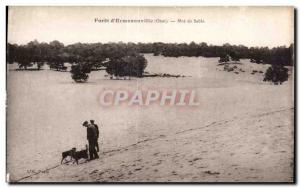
(241,131)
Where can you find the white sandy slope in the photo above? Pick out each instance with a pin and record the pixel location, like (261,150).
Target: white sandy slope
(241,131)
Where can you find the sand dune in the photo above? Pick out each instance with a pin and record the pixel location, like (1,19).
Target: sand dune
(255,147)
(242,131)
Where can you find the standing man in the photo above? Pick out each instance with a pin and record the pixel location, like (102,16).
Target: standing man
(92,139)
(97,133)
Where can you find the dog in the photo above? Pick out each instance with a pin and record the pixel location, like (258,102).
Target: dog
(70,153)
(83,154)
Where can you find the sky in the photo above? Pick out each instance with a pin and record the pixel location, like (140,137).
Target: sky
(249,26)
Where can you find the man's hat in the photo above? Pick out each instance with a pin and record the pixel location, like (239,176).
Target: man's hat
(92,121)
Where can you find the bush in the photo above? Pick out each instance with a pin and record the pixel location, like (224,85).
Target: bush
(235,58)
(156,53)
(24,64)
(59,66)
(39,65)
(276,74)
(225,59)
(80,72)
(133,65)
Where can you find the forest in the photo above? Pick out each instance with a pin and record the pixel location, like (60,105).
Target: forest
(126,59)
(56,52)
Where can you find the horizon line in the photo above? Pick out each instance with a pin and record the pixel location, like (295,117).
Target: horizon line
(109,42)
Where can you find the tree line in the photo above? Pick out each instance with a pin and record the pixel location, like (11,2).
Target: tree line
(56,53)
(278,55)
(126,59)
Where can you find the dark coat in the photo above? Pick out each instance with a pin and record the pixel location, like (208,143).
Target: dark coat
(97,130)
(92,132)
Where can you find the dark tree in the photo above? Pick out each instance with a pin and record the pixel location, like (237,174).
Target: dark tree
(23,57)
(11,53)
(57,57)
(224,58)
(235,56)
(80,72)
(133,65)
(276,74)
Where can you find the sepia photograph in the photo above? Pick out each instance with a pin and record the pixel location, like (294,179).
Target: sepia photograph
(144,94)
